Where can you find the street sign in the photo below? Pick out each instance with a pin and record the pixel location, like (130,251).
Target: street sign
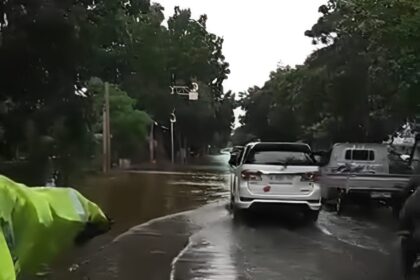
(179,90)
(193,96)
(192,93)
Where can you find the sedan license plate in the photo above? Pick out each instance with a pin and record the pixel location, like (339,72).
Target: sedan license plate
(282,179)
(380,195)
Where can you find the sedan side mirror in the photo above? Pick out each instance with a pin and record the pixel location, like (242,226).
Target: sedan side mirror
(322,158)
(233,159)
(318,159)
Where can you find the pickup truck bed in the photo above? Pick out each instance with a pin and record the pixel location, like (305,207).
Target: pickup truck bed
(368,182)
(363,189)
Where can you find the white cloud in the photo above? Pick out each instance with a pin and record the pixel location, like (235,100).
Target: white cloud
(258,34)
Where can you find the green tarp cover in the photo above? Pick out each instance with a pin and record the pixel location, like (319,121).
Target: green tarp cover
(38,223)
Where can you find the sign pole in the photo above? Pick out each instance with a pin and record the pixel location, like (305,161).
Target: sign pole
(172,119)
(183,91)
(172,144)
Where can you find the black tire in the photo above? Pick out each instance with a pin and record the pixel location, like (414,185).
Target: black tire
(329,195)
(329,207)
(238,214)
(339,205)
(231,203)
(369,206)
(312,215)
(396,208)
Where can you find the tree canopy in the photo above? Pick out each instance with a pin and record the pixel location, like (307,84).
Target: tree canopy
(359,86)
(50,50)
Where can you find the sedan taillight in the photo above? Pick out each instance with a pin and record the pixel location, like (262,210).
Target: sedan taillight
(311,177)
(249,175)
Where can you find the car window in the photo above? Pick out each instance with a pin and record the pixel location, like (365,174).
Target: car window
(360,155)
(279,157)
(348,155)
(244,154)
(241,153)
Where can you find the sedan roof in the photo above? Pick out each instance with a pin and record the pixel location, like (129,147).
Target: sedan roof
(282,146)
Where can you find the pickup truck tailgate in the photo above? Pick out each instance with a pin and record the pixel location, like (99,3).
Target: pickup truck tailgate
(382,182)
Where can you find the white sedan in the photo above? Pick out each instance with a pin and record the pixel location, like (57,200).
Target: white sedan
(266,174)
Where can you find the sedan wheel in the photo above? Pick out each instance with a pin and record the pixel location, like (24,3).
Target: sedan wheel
(312,215)
(232,202)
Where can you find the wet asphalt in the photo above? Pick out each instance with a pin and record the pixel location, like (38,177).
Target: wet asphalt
(177,225)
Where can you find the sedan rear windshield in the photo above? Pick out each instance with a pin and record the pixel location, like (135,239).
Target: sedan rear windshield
(279,158)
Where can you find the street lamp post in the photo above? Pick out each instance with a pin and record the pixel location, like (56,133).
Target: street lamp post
(173,121)
(192,94)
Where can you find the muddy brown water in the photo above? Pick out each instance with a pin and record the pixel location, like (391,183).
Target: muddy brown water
(133,198)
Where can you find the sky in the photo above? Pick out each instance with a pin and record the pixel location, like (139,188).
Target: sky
(258,35)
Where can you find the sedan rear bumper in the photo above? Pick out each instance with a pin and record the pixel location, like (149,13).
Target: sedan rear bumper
(249,203)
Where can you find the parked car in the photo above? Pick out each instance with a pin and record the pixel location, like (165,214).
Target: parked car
(360,173)
(275,174)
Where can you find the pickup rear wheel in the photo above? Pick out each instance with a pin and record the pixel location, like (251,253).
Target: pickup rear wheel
(339,203)
(396,208)
(339,206)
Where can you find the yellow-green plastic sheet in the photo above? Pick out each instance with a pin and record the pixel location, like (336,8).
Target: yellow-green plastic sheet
(37,223)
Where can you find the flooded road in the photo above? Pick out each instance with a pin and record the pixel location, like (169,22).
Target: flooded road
(133,198)
(154,239)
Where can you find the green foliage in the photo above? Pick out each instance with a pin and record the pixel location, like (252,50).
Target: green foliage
(50,49)
(40,54)
(128,125)
(189,53)
(358,87)
(240,137)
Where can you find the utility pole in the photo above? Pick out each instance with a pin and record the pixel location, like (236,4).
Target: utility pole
(106,134)
(152,143)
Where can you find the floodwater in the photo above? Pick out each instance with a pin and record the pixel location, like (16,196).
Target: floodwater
(132,198)
(177,226)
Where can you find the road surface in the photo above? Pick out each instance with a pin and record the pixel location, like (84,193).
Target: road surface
(205,242)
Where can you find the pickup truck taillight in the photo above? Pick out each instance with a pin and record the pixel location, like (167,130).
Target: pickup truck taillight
(249,175)
(311,177)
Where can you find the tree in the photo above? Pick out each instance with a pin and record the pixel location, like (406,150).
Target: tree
(41,54)
(128,125)
(360,86)
(183,53)
(50,49)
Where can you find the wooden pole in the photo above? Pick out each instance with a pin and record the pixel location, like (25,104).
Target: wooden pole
(109,127)
(106,135)
(152,143)
(104,145)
